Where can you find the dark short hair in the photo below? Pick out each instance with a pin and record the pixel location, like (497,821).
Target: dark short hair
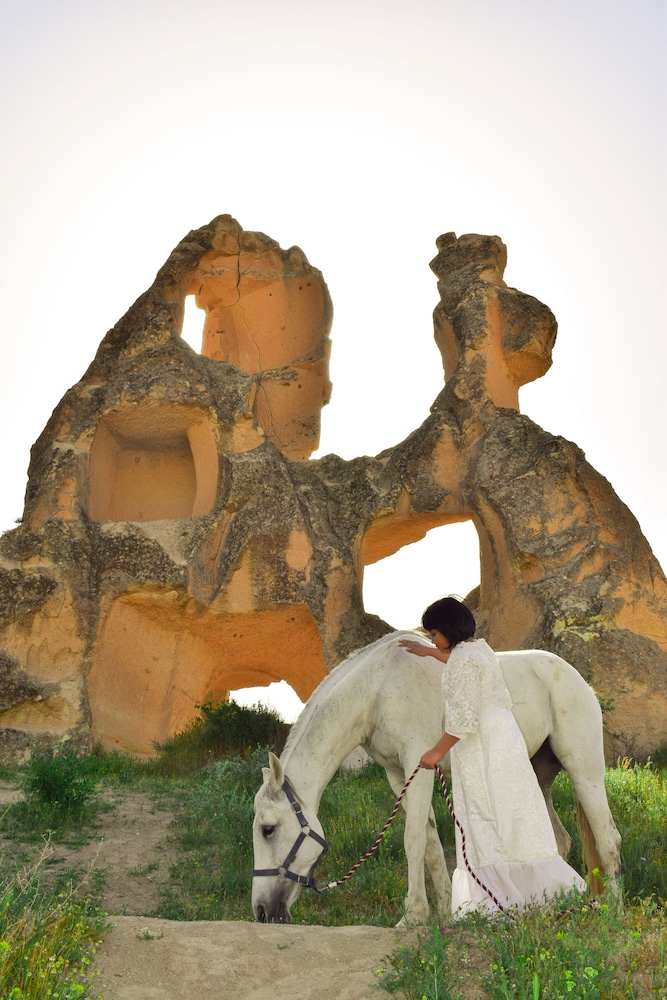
(451,617)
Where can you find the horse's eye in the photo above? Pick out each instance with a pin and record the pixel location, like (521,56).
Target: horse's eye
(268,831)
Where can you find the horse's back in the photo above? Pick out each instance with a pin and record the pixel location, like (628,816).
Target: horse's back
(552,700)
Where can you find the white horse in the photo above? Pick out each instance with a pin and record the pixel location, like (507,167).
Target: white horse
(389,702)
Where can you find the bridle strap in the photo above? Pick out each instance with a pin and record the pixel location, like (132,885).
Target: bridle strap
(306,831)
(283,871)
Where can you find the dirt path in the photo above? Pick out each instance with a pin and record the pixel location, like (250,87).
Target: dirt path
(129,842)
(154,959)
(145,958)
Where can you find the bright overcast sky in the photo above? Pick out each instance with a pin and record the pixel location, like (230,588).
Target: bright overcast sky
(359,131)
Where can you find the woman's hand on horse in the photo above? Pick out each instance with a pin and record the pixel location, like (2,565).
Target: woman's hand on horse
(416,647)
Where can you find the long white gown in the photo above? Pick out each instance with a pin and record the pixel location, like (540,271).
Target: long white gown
(509,840)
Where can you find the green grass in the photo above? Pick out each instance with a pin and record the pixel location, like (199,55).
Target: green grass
(604,953)
(211,879)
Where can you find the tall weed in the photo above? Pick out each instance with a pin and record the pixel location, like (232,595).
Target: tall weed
(47,937)
(422,972)
(638,799)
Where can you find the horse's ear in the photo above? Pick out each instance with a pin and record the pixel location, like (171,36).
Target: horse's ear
(276,773)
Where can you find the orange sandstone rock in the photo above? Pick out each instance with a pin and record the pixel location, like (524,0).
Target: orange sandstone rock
(564,564)
(177,542)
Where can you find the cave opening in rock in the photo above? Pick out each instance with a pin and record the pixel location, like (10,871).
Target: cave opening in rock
(152,462)
(446,561)
(193,324)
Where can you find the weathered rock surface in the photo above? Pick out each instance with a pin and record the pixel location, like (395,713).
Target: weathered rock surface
(564,564)
(177,542)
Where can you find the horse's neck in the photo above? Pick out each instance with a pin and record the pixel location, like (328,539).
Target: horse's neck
(336,718)
(324,735)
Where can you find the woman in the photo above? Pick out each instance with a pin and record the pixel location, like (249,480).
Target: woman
(509,839)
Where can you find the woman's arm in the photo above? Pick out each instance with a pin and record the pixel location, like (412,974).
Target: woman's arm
(433,756)
(421,649)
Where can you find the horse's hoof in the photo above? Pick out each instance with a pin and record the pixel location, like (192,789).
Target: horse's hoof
(406,922)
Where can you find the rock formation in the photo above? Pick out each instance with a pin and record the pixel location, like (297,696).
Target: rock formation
(564,564)
(177,541)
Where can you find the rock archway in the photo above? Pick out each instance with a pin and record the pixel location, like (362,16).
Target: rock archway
(158,655)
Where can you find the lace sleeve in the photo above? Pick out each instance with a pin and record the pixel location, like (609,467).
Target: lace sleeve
(461,691)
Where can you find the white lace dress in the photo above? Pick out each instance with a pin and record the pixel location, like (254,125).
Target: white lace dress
(509,839)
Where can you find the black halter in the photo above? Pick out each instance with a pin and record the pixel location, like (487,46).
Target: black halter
(283,872)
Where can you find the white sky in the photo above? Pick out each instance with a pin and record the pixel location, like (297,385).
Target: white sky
(359,130)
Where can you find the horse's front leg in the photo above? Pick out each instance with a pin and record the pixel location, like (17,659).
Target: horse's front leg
(417,803)
(437,867)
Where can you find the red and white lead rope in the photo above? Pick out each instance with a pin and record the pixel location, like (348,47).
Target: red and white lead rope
(371,852)
(463,841)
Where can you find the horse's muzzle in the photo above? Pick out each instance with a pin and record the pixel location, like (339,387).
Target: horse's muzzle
(276,915)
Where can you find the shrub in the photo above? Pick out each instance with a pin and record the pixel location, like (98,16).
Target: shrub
(60,790)
(659,757)
(229,729)
(225,730)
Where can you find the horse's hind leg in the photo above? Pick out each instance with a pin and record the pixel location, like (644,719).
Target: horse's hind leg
(601,841)
(546,766)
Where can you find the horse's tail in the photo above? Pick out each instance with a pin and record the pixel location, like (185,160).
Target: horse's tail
(590,852)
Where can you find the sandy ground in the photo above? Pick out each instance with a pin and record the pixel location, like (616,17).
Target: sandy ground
(154,959)
(144,958)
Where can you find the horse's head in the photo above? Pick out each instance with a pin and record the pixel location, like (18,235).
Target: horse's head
(287,846)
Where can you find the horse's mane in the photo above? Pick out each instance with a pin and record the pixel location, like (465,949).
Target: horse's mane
(324,689)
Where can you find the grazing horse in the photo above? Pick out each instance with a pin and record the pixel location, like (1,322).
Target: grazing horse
(390,703)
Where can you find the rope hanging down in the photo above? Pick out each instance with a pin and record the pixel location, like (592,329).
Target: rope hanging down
(463,841)
(371,852)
